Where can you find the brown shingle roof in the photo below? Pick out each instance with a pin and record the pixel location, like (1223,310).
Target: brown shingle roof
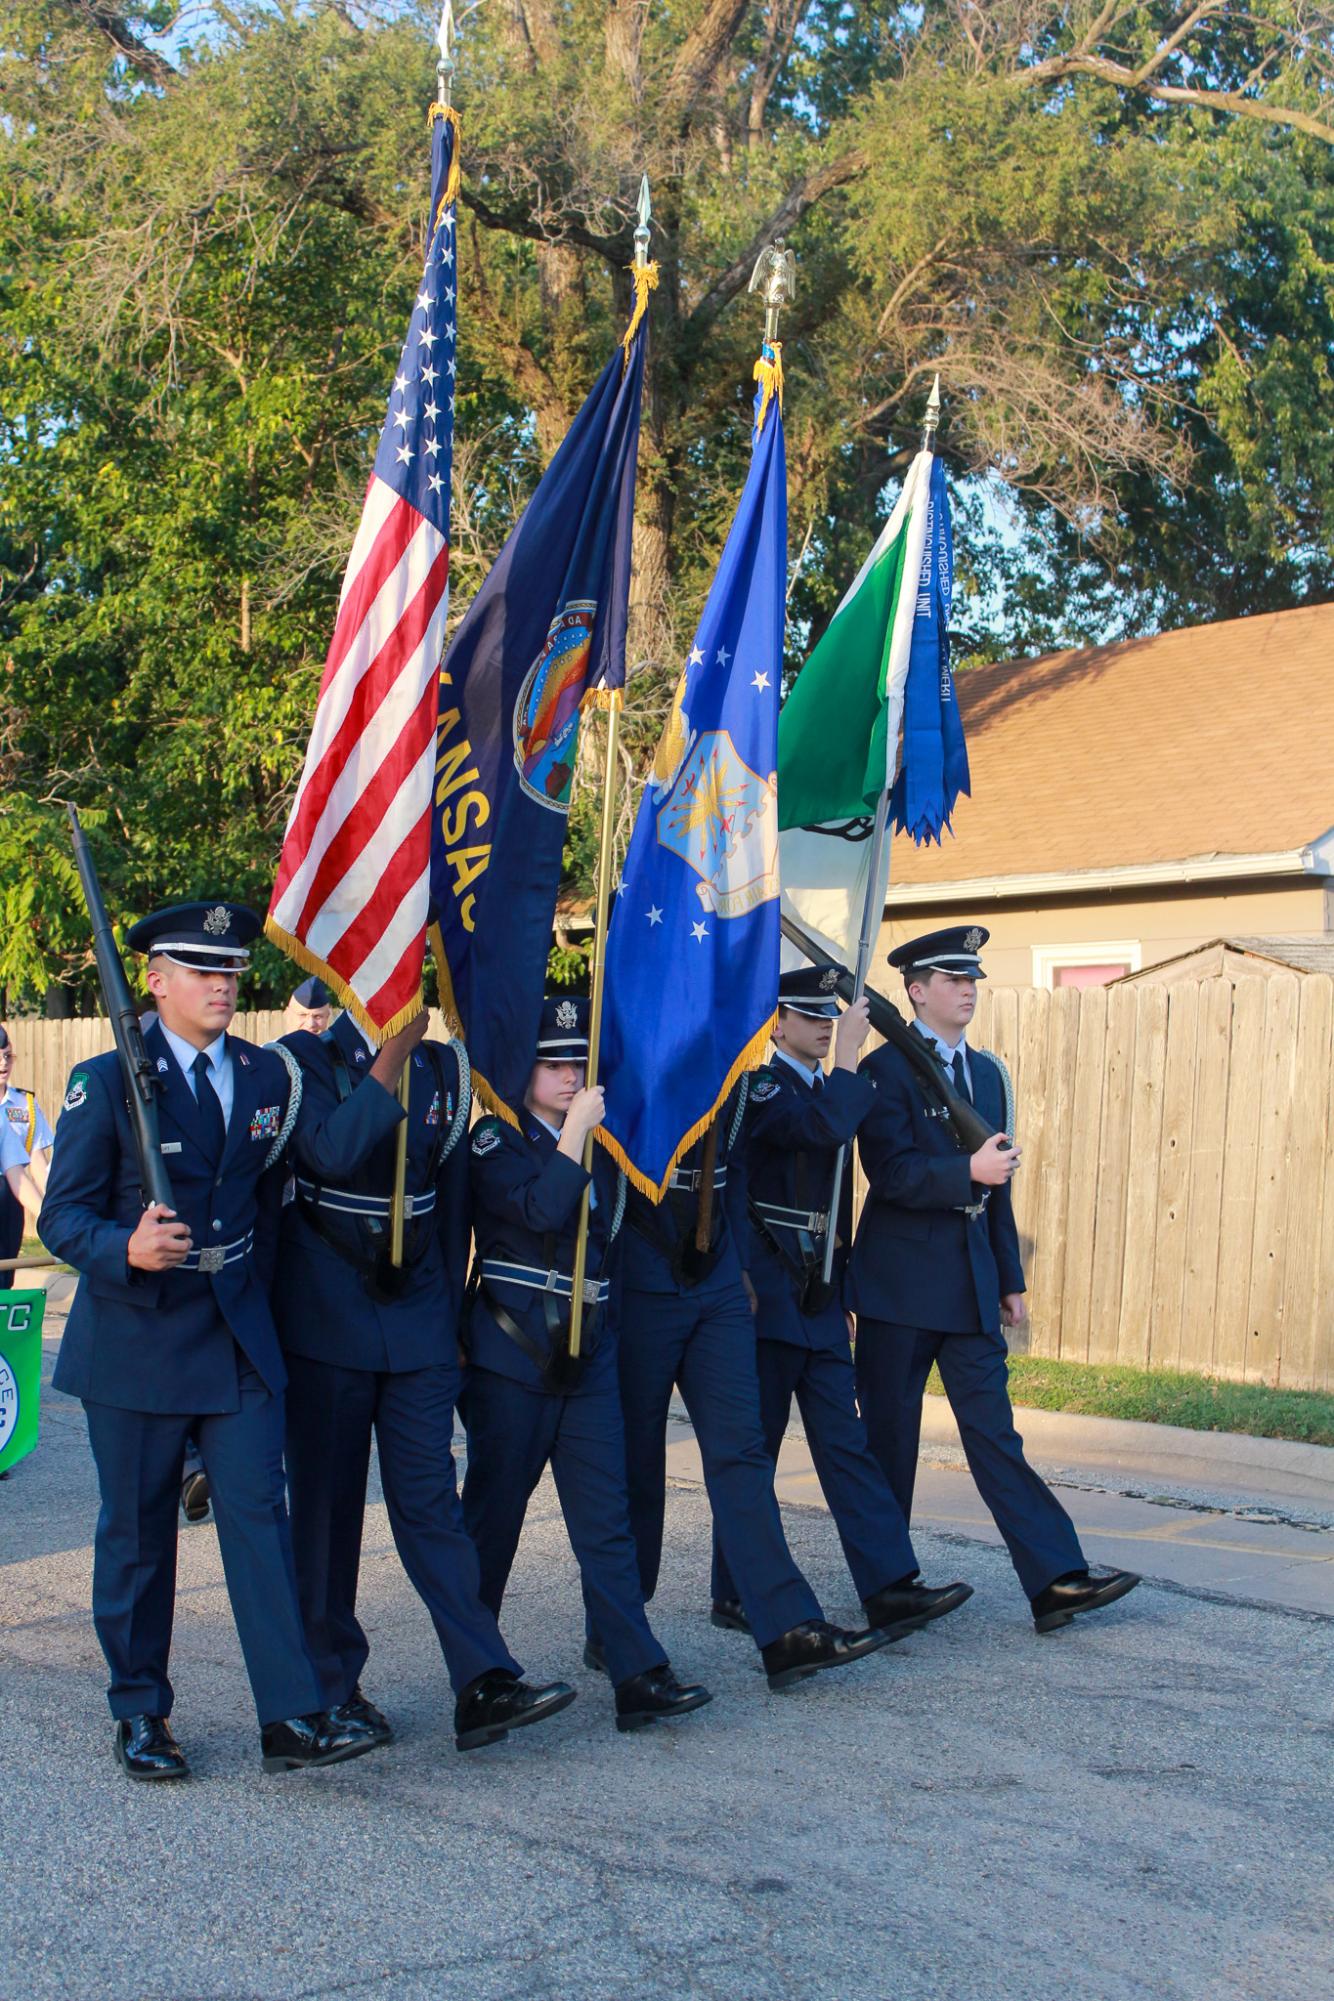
(1206,741)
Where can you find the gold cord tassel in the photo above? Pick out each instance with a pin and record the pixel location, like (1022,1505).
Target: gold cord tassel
(645,277)
(454,176)
(769,375)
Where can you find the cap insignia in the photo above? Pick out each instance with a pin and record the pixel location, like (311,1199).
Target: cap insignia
(567,1014)
(218,921)
(828,979)
(972,940)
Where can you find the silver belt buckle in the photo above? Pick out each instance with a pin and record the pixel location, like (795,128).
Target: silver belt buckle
(551,1283)
(591,1291)
(212,1258)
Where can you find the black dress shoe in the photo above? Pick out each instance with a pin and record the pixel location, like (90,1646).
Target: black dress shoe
(730,1614)
(1079,1592)
(318,1739)
(595,1656)
(195,1497)
(814,1645)
(358,1710)
(498,1702)
(146,1748)
(905,1608)
(645,1698)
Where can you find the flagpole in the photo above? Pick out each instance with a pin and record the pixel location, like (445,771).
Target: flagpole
(614,700)
(875,894)
(446,37)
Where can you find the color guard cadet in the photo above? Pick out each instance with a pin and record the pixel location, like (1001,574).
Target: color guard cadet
(935,1272)
(796,1121)
(525,1404)
(686,1320)
(170,1333)
(372,1347)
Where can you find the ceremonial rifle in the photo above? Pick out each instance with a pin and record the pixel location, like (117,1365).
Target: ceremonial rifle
(137,1072)
(966,1123)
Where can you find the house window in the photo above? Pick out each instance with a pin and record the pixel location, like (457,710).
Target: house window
(1084,965)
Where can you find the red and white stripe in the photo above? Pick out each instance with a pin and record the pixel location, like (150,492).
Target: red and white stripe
(352,887)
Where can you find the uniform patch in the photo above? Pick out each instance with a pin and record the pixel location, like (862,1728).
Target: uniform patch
(266,1122)
(77,1093)
(163,1065)
(766,1088)
(485,1140)
(358,1056)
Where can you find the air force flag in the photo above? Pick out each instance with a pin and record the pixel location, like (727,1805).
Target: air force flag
(692,954)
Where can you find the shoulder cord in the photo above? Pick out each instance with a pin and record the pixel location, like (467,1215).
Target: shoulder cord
(464,1111)
(293,1069)
(618,1211)
(1007,1085)
(743,1094)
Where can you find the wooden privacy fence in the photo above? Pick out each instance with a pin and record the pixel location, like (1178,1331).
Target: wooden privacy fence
(1176,1198)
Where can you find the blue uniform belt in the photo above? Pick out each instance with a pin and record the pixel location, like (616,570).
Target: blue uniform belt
(213,1257)
(537,1280)
(349,1202)
(815,1221)
(688,1180)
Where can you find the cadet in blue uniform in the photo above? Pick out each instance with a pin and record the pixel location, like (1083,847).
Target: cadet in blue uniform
(686,1319)
(24,1120)
(525,1405)
(374,1348)
(170,1334)
(935,1272)
(796,1121)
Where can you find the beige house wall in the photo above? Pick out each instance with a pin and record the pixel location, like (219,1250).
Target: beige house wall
(1163,922)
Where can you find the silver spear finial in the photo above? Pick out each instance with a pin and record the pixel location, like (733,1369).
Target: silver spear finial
(931,422)
(444,41)
(645,211)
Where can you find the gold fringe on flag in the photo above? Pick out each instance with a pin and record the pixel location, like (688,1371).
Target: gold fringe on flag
(455,175)
(311,962)
(769,375)
(645,279)
(449,1007)
(750,1059)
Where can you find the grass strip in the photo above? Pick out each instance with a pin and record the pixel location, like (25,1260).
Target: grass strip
(1161,1396)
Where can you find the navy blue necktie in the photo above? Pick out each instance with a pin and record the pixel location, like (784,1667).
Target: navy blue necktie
(961,1076)
(210,1108)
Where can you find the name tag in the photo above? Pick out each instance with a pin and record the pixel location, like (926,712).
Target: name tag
(170,1146)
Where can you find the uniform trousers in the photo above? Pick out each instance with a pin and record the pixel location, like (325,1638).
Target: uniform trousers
(139,1455)
(704,1342)
(331,1413)
(893,1363)
(514,1431)
(869,1520)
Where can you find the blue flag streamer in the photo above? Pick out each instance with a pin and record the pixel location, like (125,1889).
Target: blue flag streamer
(548,625)
(934,770)
(692,953)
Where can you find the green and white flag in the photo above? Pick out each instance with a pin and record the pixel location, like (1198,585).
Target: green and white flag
(20,1373)
(838,733)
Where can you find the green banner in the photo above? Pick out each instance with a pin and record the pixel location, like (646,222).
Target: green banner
(20,1373)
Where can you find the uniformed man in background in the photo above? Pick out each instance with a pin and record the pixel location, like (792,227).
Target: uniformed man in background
(936,1272)
(170,1334)
(797,1119)
(31,1137)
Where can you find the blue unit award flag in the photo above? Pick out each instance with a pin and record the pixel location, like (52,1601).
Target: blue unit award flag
(546,627)
(934,769)
(692,953)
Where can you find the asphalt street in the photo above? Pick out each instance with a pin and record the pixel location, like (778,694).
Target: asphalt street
(1139,1805)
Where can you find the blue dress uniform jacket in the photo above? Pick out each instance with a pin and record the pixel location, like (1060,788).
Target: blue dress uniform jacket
(792,1135)
(526,1199)
(363,1364)
(653,1228)
(166,1341)
(162,1357)
(343,1155)
(919,1259)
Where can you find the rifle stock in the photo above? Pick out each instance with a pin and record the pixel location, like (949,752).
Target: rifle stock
(137,1072)
(969,1127)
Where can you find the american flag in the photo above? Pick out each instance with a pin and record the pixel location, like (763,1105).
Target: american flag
(351,898)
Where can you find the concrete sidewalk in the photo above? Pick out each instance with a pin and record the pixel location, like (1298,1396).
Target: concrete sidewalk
(1249,1519)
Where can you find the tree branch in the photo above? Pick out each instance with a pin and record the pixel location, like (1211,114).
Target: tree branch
(700,56)
(834,174)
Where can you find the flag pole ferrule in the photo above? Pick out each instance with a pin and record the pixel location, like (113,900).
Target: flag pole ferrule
(580,1267)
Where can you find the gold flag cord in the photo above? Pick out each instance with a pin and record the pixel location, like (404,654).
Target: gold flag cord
(769,375)
(454,177)
(645,280)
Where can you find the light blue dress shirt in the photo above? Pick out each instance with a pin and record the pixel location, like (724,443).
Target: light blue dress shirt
(219,1067)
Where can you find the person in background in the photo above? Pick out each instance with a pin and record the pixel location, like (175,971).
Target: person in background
(310,1008)
(23,1118)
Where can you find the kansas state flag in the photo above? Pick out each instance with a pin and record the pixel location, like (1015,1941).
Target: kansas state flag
(548,624)
(692,953)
